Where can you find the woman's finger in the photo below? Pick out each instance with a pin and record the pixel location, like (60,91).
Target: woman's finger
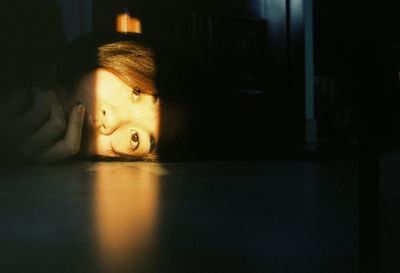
(70,145)
(51,130)
(37,114)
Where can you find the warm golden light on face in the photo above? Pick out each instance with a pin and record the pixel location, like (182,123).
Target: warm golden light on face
(126,210)
(126,23)
(122,122)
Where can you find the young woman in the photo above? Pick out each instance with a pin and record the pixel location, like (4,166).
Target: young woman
(104,91)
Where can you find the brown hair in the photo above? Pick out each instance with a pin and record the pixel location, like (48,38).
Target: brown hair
(132,62)
(129,57)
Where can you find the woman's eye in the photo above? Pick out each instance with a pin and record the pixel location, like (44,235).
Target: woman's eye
(134,139)
(136,93)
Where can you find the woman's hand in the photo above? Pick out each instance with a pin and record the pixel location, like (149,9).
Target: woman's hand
(42,133)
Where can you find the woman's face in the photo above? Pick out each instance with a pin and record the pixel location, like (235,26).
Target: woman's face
(120,120)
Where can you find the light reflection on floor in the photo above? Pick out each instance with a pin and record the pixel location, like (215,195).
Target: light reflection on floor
(125,203)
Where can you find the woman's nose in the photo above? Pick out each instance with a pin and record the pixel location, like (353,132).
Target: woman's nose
(108,119)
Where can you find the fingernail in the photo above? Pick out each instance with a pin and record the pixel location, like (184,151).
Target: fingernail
(81,109)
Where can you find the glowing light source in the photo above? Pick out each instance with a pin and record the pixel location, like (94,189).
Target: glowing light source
(127,23)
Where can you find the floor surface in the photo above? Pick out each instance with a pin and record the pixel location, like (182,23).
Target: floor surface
(272,216)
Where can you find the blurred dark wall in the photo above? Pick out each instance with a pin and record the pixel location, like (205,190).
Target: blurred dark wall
(357,91)
(32,37)
(77,17)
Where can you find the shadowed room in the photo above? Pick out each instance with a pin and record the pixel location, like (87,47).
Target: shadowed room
(199,136)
